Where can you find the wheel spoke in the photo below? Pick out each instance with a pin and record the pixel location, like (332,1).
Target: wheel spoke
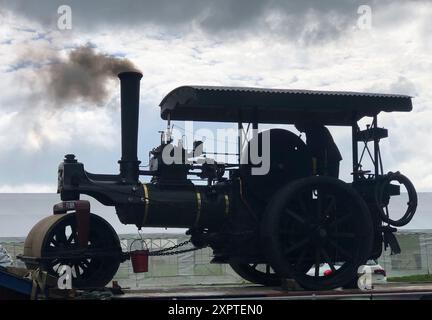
(300,260)
(72,236)
(54,242)
(77,272)
(61,236)
(295,216)
(302,204)
(341,219)
(292,233)
(83,266)
(319,201)
(349,235)
(327,259)
(317,262)
(55,265)
(298,245)
(330,205)
(341,250)
(70,239)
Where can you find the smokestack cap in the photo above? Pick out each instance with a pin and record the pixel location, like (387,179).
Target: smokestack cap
(130,74)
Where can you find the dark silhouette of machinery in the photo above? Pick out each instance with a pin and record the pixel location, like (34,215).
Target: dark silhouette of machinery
(268,226)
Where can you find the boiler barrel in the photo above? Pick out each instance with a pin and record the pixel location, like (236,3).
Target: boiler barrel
(178,207)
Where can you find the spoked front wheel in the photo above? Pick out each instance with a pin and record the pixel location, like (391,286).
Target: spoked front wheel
(322,223)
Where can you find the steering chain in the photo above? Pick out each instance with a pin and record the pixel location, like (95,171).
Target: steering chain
(168,252)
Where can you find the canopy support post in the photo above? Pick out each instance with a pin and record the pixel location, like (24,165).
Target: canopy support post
(355,129)
(240,140)
(377,156)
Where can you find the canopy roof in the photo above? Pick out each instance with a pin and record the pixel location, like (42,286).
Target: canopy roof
(284,106)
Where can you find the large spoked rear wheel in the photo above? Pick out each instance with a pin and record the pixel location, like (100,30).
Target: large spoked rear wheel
(257,273)
(317,223)
(56,236)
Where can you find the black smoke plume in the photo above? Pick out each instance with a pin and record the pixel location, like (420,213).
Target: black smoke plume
(84,75)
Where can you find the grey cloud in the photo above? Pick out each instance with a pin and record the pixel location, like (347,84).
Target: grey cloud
(23,64)
(403,86)
(230,18)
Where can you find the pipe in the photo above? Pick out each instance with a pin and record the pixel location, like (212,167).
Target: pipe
(129,97)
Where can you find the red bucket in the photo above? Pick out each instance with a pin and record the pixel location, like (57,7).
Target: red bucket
(139,260)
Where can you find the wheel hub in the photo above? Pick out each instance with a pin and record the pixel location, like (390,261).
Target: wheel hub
(322,233)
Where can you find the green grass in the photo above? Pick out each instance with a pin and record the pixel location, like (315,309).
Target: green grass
(208,270)
(413,278)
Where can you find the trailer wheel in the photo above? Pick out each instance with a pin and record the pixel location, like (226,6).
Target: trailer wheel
(56,237)
(315,221)
(257,273)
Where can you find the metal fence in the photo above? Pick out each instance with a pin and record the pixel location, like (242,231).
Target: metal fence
(415,258)
(189,268)
(194,268)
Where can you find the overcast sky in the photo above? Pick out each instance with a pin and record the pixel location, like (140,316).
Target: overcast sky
(282,44)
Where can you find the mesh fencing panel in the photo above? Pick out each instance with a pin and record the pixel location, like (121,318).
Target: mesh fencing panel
(194,268)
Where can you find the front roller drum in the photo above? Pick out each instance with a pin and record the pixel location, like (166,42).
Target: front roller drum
(53,242)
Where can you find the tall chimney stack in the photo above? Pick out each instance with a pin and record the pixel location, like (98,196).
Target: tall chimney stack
(129,96)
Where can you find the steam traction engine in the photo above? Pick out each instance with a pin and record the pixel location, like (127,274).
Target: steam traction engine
(281,224)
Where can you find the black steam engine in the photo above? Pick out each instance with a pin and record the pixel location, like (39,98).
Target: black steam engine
(281,224)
